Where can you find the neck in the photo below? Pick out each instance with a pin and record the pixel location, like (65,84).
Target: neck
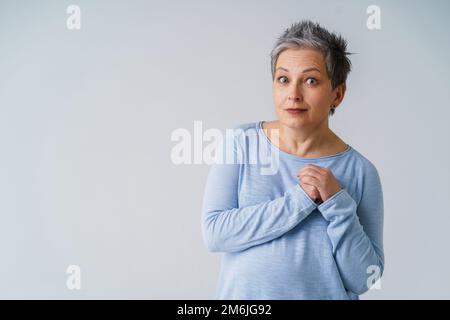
(307,141)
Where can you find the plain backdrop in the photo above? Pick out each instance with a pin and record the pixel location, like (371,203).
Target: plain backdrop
(86,117)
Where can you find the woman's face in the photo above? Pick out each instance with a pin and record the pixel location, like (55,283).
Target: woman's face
(301,81)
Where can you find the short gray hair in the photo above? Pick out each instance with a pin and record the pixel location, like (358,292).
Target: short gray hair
(310,35)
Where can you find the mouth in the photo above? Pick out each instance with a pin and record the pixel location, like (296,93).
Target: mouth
(296,111)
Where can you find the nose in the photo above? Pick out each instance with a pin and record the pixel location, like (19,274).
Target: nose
(295,95)
(295,98)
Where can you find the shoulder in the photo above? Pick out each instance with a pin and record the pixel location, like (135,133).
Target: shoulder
(366,166)
(235,140)
(247,126)
(243,133)
(368,181)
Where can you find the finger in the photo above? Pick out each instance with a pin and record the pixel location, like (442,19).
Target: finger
(308,179)
(311,173)
(311,191)
(315,196)
(313,168)
(308,185)
(324,171)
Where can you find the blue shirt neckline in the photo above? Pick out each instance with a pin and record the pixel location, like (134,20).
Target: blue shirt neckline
(295,157)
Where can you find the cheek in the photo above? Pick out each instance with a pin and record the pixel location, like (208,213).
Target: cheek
(275,97)
(317,98)
(278,97)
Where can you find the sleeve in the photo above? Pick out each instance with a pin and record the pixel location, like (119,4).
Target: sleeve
(356,232)
(229,228)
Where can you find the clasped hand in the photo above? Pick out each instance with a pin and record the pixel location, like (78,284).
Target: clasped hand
(319,183)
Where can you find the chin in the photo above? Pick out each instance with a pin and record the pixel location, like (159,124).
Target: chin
(294,123)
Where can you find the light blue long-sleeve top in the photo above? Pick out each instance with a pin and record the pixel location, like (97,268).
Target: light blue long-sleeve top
(277,243)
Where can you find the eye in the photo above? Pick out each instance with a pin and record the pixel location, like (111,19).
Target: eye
(311,81)
(280,79)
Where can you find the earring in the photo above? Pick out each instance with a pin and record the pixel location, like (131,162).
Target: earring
(332,109)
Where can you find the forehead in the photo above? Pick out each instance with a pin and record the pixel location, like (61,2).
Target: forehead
(296,60)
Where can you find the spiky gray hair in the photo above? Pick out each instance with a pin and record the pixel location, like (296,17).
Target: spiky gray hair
(310,35)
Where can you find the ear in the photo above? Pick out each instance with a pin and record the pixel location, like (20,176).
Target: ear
(339,92)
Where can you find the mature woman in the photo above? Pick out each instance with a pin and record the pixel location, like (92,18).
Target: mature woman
(312,228)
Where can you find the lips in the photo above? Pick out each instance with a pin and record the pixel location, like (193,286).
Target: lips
(296,111)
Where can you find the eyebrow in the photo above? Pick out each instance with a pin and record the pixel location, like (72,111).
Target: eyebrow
(304,71)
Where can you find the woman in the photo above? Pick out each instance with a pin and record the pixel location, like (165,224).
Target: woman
(312,228)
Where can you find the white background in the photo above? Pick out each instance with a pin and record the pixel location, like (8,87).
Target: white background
(86,117)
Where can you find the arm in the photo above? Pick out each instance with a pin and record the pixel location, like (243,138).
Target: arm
(356,232)
(227,227)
